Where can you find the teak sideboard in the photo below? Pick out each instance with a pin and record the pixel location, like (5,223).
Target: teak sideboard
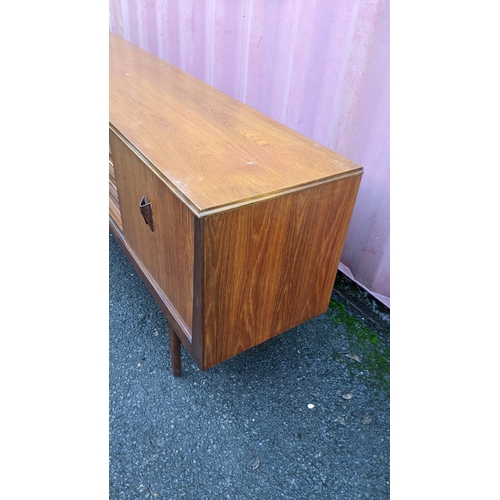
(234,222)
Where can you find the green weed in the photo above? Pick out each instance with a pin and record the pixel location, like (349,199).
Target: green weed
(372,350)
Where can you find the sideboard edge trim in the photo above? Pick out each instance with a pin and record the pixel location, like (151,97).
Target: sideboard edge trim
(175,318)
(200,212)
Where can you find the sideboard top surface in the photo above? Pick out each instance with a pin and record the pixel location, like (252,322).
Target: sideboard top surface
(215,152)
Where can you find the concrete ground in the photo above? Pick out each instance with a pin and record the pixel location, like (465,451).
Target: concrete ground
(302,416)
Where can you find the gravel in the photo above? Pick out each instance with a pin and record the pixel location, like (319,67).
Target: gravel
(271,423)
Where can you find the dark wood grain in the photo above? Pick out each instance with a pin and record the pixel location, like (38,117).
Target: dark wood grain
(168,252)
(175,352)
(198,339)
(246,218)
(212,150)
(271,266)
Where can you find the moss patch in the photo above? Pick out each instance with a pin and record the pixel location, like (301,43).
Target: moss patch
(372,349)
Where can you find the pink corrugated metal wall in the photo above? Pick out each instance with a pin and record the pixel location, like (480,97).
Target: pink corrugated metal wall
(319,66)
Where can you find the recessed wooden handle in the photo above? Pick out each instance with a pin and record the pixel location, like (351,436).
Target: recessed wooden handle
(147,212)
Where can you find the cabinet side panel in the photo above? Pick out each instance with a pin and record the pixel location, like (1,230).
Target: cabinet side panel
(272,265)
(168,251)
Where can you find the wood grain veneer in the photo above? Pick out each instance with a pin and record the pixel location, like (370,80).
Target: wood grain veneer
(168,251)
(114,205)
(269,266)
(212,150)
(242,220)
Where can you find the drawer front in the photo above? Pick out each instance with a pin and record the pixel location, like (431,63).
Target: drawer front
(165,246)
(114,205)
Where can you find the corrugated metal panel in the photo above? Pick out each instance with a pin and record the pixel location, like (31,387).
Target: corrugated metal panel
(319,66)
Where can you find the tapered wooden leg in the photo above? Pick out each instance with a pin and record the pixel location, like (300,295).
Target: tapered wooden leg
(175,352)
